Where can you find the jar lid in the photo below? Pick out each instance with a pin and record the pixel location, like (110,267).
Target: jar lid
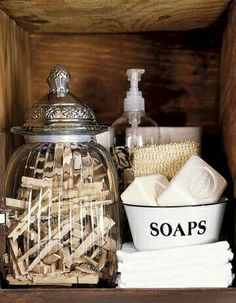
(59,112)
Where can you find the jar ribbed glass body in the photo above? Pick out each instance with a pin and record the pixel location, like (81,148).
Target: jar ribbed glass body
(64,218)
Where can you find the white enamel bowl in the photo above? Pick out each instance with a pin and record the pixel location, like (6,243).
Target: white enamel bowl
(159,227)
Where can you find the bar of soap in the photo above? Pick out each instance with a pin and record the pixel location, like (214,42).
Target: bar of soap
(195,183)
(145,190)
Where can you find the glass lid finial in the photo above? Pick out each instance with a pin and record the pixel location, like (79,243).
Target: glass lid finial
(59,80)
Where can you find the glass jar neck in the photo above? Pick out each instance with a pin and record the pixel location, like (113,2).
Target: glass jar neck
(58,138)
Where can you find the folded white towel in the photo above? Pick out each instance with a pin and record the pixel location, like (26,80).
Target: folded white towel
(184,274)
(177,284)
(192,266)
(165,264)
(221,277)
(166,284)
(168,262)
(129,253)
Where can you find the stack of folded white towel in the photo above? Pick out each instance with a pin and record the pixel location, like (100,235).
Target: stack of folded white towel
(205,265)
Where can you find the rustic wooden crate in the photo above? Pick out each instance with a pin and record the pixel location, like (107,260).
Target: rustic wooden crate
(188,49)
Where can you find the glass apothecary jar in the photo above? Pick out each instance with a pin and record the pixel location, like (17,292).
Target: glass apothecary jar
(61,194)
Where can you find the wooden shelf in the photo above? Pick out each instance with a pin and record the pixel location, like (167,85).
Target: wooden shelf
(113,16)
(182,78)
(118,295)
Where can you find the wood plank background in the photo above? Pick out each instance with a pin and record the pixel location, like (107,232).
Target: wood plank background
(14,81)
(180,84)
(113,16)
(228,92)
(14,91)
(14,71)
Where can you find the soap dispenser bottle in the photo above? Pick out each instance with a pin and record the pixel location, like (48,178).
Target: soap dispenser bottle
(133,128)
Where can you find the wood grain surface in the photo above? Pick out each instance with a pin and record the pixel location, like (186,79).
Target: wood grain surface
(180,84)
(14,74)
(228,92)
(118,295)
(14,90)
(72,16)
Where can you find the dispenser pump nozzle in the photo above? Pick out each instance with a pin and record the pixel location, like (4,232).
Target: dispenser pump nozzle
(134,100)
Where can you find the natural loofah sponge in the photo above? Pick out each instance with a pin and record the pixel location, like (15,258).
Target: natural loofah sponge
(165,159)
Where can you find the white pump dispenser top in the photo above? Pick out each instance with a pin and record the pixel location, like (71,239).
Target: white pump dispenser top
(134,100)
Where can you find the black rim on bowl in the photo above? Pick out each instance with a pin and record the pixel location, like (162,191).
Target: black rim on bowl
(220,201)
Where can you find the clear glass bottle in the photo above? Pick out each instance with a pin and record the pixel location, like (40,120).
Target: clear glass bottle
(133,128)
(61,195)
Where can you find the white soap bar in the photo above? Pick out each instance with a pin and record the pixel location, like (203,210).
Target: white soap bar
(195,183)
(145,190)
